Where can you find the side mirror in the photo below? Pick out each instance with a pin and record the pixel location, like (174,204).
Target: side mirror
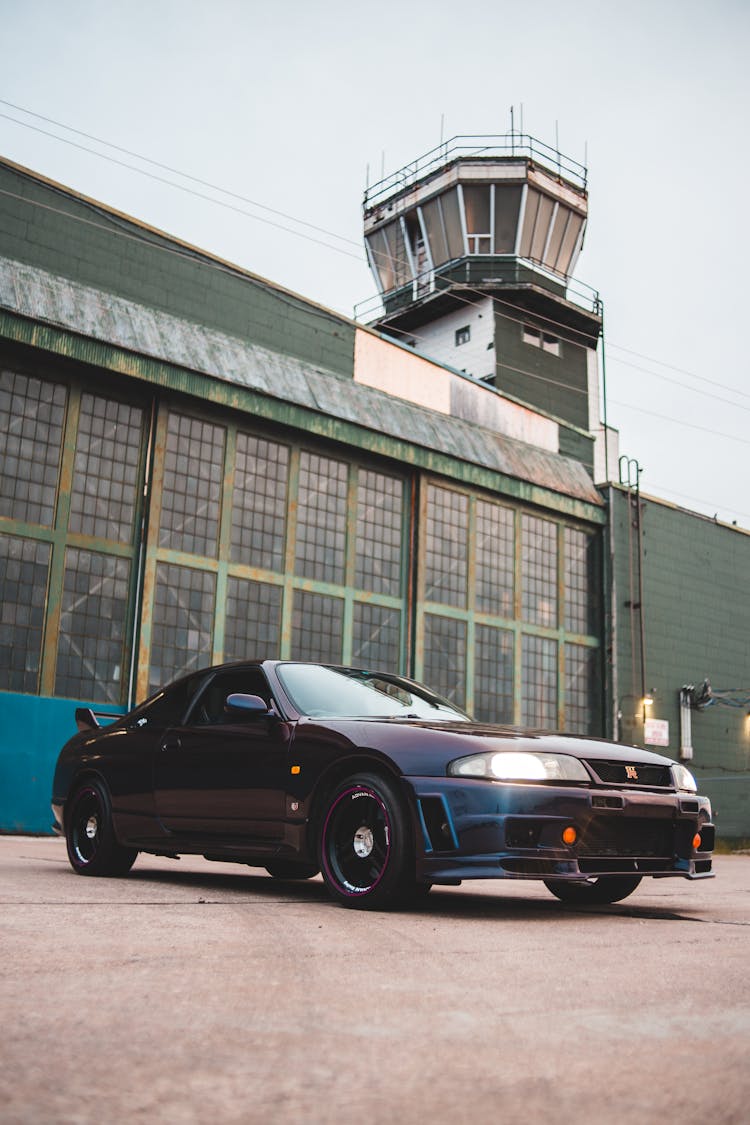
(247,706)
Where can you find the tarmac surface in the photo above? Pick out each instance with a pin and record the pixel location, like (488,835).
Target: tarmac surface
(196,992)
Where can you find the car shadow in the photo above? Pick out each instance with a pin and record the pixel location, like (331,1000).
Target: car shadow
(442,902)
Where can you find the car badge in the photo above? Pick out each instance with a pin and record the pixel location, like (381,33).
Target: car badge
(631,773)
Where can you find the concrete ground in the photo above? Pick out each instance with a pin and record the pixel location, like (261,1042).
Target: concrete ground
(200,992)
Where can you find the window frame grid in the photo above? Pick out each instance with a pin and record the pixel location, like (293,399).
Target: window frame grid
(515,625)
(290,583)
(60,537)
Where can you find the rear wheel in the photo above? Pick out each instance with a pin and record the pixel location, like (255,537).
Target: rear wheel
(366,851)
(594,892)
(90,837)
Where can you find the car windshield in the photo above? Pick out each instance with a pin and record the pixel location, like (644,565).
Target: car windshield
(351,693)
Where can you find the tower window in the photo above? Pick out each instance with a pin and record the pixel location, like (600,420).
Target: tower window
(463,335)
(539,339)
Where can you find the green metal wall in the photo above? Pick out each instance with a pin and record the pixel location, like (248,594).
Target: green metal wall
(696,616)
(87,243)
(562,386)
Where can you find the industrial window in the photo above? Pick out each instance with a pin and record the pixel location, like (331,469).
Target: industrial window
(447,546)
(539,682)
(191,494)
(495,553)
(581,696)
(70,465)
(445,656)
(308,561)
(259,502)
(252,627)
(24,570)
(463,335)
(91,648)
(32,416)
(539,571)
(107,465)
(182,625)
(376,640)
(581,598)
(493,675)
(321,519)
(505,590)
(380,517)
(317,627)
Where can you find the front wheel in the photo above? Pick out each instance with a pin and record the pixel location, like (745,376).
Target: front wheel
(366,850)
(594,892)
(90,836)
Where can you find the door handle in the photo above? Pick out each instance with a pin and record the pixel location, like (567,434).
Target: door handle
(170,744)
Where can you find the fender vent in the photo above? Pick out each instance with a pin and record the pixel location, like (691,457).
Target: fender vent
(436,825)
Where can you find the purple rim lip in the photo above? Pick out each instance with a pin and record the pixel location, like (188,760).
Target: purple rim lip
(371,793)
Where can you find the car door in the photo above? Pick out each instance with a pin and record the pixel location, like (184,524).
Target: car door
(225,775)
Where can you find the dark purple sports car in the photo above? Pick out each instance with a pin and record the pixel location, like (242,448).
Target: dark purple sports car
(374,781)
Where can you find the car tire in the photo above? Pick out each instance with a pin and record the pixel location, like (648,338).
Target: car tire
(366,847)
(288,869)
(90,836)
(595,892)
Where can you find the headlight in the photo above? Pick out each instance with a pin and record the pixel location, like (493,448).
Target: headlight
(513,765)
(683,779)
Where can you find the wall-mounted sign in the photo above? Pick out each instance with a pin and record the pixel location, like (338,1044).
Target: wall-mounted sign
(656,732)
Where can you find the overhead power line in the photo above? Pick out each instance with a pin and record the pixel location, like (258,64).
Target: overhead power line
(499,303)
(191,191)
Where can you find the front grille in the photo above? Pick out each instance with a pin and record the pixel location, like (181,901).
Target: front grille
(624,836)
(632,773)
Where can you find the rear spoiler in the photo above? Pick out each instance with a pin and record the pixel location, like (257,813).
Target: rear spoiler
(88,719)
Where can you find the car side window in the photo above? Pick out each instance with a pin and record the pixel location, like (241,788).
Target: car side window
(209,707)
(167,707)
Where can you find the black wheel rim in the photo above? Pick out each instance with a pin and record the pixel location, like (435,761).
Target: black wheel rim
(357,841)
(86,827)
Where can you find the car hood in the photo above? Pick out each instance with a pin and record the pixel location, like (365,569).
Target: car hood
(407,740)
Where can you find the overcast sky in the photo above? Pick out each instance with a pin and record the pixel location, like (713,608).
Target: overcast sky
(287,104)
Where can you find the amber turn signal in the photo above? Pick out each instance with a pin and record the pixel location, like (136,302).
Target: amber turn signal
(697,841)
(569,835)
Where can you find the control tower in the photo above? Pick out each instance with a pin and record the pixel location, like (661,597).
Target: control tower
(472,247)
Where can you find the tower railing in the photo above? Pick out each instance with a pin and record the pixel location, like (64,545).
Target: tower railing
(520,145)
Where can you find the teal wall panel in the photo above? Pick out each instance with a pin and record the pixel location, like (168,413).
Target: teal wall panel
(32,733)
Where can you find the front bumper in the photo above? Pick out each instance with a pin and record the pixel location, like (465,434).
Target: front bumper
(477,829)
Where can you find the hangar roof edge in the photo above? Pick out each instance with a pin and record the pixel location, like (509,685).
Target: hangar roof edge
(51,299)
